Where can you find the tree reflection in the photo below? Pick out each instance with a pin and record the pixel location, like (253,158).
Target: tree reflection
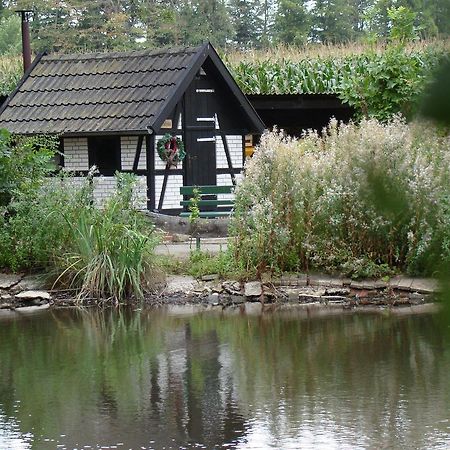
(151,380)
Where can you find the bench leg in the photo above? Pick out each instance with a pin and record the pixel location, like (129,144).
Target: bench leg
(197,243)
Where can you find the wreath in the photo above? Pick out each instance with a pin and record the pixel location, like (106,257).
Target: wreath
(171,149)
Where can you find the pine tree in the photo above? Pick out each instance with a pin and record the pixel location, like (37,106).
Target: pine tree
(292,22)
(247,21)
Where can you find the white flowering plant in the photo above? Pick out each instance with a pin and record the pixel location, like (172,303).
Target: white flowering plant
(362,199)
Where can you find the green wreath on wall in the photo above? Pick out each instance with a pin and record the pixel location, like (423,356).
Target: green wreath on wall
(171,149)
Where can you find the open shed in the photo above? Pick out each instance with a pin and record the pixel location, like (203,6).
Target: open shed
(111,109)
(295,113)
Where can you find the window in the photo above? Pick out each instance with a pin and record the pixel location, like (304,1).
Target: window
(104,152)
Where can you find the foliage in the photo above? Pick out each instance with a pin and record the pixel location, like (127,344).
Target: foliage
(312,203)
(77,25)
(377,84)
(10,73)
(202,263)
(10,42)
(23,163)
(51,223)
(110,250)
(292,22)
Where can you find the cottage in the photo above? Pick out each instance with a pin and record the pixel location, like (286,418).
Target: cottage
(115,110)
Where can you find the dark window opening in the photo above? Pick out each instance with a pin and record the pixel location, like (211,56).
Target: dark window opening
(104,152)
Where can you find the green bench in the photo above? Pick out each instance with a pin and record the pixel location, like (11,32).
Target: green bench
(204,192)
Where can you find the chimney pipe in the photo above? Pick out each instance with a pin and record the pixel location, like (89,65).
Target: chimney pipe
(26,48)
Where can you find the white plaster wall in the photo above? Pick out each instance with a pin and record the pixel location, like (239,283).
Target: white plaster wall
(172,196)
(76,154)
(225,180)
(76,158)
(128,146)
(104,187)
(236,152)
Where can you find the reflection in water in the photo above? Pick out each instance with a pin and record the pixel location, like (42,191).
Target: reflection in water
(148,380)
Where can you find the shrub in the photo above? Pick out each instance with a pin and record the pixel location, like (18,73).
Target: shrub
(51,224)
(363,200)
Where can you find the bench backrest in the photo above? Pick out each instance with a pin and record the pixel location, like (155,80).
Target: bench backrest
(206,190)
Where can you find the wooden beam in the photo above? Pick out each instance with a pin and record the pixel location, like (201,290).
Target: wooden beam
(227,154)
(164,185)
(150,154)
(137,156)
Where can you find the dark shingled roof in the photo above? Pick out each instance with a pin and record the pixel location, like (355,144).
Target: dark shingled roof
(99,92)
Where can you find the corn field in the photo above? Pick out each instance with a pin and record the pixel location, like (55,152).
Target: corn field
(10,73)
(286,74)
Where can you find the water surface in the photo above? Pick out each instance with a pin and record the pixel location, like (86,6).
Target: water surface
(150,380)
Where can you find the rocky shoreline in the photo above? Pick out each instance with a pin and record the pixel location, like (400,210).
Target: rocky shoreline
(27,293)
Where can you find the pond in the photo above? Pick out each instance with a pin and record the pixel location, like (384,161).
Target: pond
(154,380)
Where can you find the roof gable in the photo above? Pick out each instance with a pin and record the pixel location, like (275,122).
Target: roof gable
(129,92)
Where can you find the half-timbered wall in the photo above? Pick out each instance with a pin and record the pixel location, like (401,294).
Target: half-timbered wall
(76,159)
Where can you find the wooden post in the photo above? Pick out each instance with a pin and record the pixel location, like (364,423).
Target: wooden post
(150,154)
(137,156)
(164,185)
(227,154)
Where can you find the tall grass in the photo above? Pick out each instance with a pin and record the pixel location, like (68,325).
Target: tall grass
(313,51)
(110,251)
(315,202)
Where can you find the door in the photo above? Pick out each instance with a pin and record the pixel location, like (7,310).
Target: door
(200,139)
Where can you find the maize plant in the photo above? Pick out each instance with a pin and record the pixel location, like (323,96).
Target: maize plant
(10,73)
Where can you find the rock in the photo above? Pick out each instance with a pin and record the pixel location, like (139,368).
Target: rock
(179,283)
(309,298)
(337,291)
(7,280)
(292,294)
(296,279)
(232,287)
(334,298)
(33,295)
(30,283)
(368,284)
(416,299)
(32,309)
(323,280)
(253,289)
(402,283)
(425,286)
(213,299)
(237,299)
(211,277)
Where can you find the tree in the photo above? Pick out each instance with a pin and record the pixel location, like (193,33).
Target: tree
(247,22)
(292,22)
(10,40)
(332,21)
(202,20)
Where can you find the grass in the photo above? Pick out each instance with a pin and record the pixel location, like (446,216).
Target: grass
(202,263)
